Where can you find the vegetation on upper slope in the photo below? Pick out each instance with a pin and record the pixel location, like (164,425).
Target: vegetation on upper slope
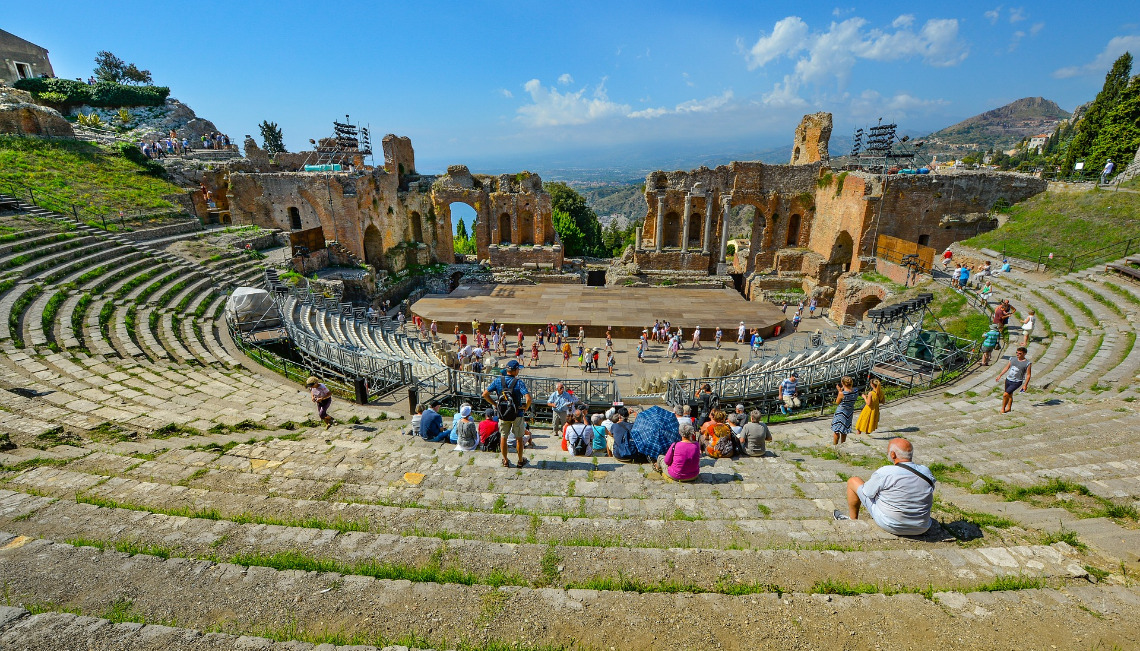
(1004,126)
(64,172)
(1066,223)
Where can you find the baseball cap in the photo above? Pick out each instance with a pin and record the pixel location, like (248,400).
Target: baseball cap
(513,364)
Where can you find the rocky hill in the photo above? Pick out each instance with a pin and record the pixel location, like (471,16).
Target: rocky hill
(1002,127)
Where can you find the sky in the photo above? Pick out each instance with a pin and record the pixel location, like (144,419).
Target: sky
(503,84)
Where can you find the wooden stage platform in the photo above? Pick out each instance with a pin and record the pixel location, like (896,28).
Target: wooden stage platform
(627,310)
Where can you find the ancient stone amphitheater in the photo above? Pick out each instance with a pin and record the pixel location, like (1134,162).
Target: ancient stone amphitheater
(166,493)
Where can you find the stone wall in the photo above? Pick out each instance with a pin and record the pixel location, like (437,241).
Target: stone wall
(812,137)
(14,49)
(853,297)
(674,261)
(538,257)
(186,226)
(392,217)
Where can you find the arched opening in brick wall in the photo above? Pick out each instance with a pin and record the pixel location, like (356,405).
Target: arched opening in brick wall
(842,251)
(671,230)
(460,211)
(857,310)
(740,220)
(294,218)
(924,240)
(696,222)
(417,227)
(504,228)
(793,231)
(526,228)
(373,247)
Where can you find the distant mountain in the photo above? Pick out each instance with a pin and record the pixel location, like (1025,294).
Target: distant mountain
(1002,127)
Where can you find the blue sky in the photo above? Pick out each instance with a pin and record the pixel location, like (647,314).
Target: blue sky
(472,82)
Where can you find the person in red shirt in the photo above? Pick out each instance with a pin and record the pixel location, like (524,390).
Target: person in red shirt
(488,425)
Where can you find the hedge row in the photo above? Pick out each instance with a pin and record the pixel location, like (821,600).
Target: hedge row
(105,94)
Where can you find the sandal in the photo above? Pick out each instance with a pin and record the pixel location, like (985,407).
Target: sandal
(523,462)
(506,464)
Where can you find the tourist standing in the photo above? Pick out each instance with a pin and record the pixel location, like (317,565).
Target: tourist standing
(844,412)
(513,398)
(718,336)
(796,321)
(534,354)
(322,396)
(1017,374)
(560,403)
(707,401)
(697,338)
(1027,327)
(610,363)
(1108,167)
(811,307)
(789,394)
(869,417)
(990,342)
(740,330)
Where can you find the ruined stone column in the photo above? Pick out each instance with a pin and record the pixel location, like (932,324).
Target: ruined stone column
(637,239)
(724,231)
(660,231)
(708,223)
(685,224)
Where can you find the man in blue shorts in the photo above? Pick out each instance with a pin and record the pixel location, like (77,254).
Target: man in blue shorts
(898,497)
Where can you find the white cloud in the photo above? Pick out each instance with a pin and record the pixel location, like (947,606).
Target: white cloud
(831,55)
(688,80)
(786,95)
(550,108)
(565,78)
(706,105)
(1103,61)
(871,104)
(506,93)
(788,37)
(1016,40)
(993,15)
(905,20)
(1016,15)
(1036,28)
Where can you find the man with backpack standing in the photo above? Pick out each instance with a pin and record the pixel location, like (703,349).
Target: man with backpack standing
(512,400)
(707,401)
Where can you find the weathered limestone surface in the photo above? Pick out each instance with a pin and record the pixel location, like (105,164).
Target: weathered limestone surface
(812,136)
(33,120)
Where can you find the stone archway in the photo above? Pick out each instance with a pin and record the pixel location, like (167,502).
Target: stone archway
(842,251)
(671,232)
(526,228)
(373,247)
(793,230)
(505,228)
(417,227)
(696,223)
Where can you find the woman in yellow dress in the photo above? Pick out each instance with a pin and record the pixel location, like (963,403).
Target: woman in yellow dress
(869,417)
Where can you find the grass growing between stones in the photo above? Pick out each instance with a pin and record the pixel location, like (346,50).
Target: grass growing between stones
(431,573)
(28,464)
(1085,309)
(124,546)
(1053,492)
(21,304)
(1123,293)
(1098,297)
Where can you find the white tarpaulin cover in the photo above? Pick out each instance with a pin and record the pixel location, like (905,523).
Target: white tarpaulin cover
(251,308)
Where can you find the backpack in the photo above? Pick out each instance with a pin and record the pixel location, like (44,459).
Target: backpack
(708,402)
(492,442)
(505,405)
(582,444)
(725,446)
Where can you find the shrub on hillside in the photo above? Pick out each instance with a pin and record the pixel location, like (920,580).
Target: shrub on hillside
(104,94)
(131,152)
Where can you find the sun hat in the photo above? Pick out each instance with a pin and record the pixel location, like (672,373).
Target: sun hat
(465,411)
(312,381)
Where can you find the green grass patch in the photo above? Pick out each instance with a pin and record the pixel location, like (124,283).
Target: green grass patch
(50,311)
(63,173)
(1080,306)
(1098,297)
(28,464)
(430,573)
(124,546)
(1066,224)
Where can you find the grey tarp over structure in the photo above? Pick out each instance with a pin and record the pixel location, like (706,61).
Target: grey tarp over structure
(249,308)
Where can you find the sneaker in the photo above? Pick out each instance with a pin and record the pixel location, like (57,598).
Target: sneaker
(839,515)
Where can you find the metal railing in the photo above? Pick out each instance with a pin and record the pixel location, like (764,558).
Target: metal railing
(61,205)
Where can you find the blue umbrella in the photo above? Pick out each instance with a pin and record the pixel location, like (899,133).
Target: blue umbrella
(654,430)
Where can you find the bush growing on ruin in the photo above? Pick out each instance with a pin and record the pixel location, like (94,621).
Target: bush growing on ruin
(586,236)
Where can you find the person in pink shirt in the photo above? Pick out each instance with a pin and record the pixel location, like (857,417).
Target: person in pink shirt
(682,461)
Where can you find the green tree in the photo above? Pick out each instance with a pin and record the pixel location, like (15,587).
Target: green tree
(1120,134)
(586,237)
(1115,83)
(461,229)
(109,67)
(272,137)
(132,74)
(571,236)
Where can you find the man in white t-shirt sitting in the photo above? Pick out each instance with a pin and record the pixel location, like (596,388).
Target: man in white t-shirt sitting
(898,497)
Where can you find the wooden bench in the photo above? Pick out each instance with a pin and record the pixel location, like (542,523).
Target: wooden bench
(1130,272)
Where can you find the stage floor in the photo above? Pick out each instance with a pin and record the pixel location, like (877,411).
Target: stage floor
(627,310)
